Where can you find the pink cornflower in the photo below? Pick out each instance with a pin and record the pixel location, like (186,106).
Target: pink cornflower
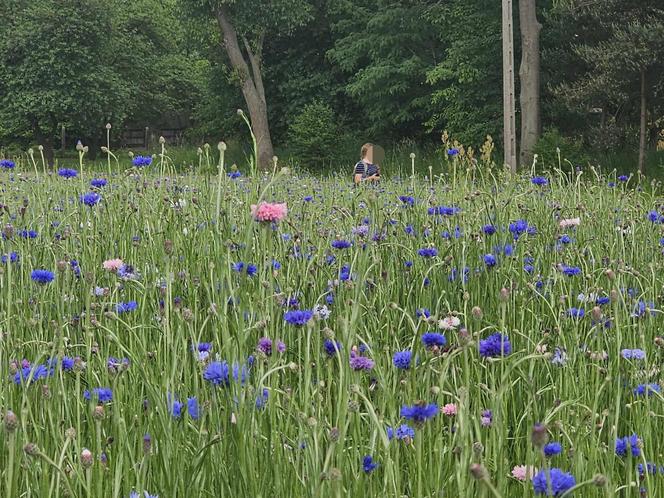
(449,409)
(269,212)
(112,264)
(523,472)
(570,222)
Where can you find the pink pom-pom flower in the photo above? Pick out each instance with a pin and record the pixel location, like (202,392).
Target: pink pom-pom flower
(269,212)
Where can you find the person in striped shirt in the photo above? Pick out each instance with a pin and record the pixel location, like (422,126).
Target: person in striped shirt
(365,170)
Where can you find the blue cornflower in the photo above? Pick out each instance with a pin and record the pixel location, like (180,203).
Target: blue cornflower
(341,244)
(539,181)
(361,363)
(407,200)
(489,229)
(404,431)
(443,210)
(67,173)
(649,468)
(67,363)
(134,494)
(433,339)
(102,394)
(7,164)
(368,464)
(98,182)
(276,265)
(217,373)
(490,260)
(174,406)
(233,174)
(28,374)
(428,252)
(633,354)
(564,239)
(126,307)
(27,234)
(192,408)
(422,313)
(452,152)
(91,198)
(553,482)
(331,347)
(42,276)
(623,178)
(298,317)
(571,271)
(647,389)
(401,359)
(631,443)
(576,312)
(528,268)
(261,399)
(602,300)
(419,413)
(642,307)
(12,257)
(141,161)
(495,345)
(552,449)
(518,227)
(251,270)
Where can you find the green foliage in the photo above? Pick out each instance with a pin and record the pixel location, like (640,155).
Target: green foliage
(314,134)
(555,150)
(386,49)
(467,81)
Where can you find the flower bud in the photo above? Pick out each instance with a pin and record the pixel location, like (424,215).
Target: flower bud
(614,295)
(86,458)
(478,471)
(31,449)
(540,435)
(221,146)
(596,313)
(11,421)
(599,480)
(70,433)
(147,444)
(504,294)
(98,412)
(477,312)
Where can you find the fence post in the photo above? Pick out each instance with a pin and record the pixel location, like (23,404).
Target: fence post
(63,141)
(145,137)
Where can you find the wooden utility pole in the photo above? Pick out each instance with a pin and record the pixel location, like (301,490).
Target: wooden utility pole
(509,120)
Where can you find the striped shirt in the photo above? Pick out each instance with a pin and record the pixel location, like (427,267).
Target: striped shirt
(365,169)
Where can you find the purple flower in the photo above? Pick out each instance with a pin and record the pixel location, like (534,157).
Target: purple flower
(628,443)
(265,346)
(368,465)
(361,363)
(401,359)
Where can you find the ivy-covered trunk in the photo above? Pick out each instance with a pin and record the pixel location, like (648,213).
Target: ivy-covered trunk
(529,76)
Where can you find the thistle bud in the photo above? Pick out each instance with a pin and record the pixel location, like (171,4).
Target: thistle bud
(477,312)
(540,435)
(31,449)
(86,458)
(147,444)
(614,295)
(599,480)
(334,434)
(478,471)
(98,413)
(11,421)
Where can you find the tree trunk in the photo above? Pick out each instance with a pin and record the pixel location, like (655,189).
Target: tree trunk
(642,131)
(251,84)
(509,126)
(529,76)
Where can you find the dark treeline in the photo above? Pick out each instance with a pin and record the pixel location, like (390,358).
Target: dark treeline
(317,75)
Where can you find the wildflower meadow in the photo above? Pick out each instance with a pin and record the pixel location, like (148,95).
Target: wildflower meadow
(468,332)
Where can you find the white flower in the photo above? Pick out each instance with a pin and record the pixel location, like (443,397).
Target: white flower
(449,323)
(321,312)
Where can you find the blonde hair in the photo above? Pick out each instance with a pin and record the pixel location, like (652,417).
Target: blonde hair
(365,149)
